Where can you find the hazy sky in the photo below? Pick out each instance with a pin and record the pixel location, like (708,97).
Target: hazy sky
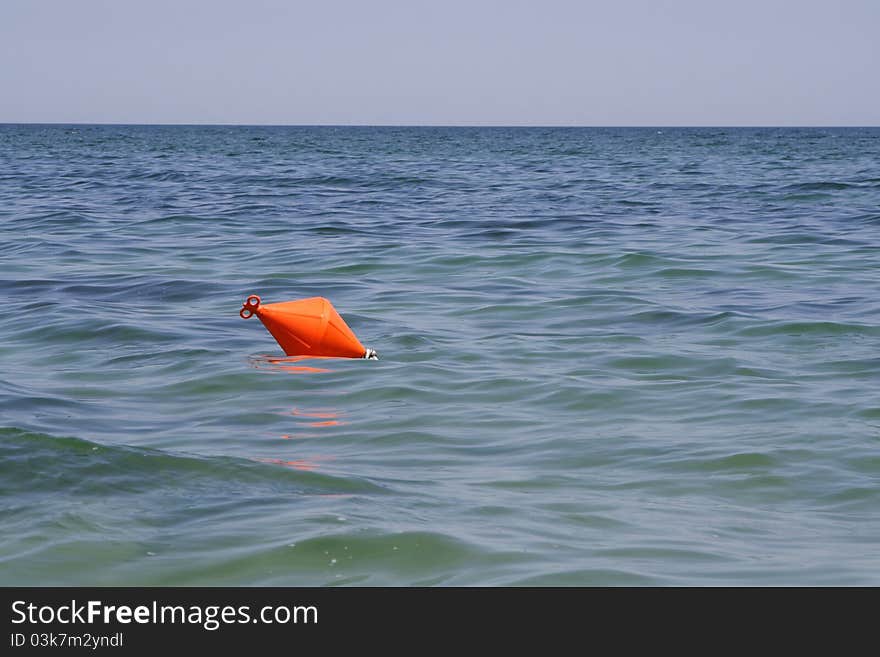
(443,62)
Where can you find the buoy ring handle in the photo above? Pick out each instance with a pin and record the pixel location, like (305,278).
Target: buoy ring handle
(249,306)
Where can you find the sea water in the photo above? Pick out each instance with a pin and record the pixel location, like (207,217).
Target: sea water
(607,356)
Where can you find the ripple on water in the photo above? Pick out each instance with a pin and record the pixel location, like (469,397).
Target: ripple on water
(609,356)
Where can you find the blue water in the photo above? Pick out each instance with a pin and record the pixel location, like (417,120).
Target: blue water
(608,356)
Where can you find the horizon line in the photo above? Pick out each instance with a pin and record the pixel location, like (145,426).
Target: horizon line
(423,125)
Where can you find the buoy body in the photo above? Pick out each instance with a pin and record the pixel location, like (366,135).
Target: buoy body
(307,327)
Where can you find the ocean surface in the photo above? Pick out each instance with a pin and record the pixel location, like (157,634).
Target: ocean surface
(607,356)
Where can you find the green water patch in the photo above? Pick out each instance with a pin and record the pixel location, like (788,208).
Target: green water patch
(41,463)
(588,577)
(672,366)
(645,261)
(809,329)
(748,462)
(870,413)
(686,273)
(331,559)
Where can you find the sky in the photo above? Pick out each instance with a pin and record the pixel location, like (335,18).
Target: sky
(441,62)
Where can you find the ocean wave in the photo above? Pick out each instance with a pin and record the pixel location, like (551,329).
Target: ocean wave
(76,466)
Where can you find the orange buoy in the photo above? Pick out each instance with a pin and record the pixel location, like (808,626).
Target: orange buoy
(307,327)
